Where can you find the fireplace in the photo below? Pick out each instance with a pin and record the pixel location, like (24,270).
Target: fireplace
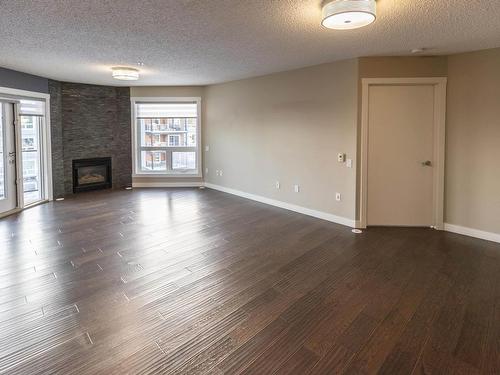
(91,174)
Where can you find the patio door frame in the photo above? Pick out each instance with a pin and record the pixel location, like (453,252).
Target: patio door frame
(9,200)
(15,96)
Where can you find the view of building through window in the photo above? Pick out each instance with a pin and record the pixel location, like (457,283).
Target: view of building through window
(168,132)
(154,160)
(183,160)
(31,115)
(167,135)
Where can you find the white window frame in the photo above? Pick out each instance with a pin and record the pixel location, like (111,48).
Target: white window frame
(16,95)
(136,147)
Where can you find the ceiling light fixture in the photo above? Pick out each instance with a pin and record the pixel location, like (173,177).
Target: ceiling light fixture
(349,14)
(125,74)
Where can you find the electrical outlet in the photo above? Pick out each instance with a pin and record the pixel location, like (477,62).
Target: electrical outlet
(277,184)
(349,163)
(296,188)
(206,170)
(341,157)
(207,148)
(338,197)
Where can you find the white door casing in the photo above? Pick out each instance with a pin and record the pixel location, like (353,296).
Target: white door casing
(403,125)
(8,191)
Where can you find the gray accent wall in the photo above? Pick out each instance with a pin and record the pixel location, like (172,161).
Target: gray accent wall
(89,121)
(23,81)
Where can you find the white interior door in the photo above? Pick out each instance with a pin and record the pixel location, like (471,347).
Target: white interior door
(8,193)
(400,155)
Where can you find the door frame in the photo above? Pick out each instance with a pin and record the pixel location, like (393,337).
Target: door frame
(15,95)
(6,138)
(439,84)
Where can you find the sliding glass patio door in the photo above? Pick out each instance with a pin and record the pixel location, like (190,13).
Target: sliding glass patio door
(8,192)
(27,164)
(31,115)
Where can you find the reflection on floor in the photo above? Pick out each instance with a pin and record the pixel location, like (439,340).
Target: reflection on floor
(184,281)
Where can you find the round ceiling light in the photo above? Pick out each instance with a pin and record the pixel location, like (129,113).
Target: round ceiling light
(349,14)
(125,74)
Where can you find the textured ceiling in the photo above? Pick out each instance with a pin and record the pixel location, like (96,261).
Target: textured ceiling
(197,42)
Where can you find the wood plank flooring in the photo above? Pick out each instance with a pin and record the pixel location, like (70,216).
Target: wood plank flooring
(188,281)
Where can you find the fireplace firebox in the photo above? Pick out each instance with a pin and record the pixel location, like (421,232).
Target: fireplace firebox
(91,174)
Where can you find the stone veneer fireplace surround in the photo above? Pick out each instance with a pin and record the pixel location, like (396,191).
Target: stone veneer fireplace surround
(89,121)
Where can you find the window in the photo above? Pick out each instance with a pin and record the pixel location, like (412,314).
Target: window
(26,122)
(167,137)
(29,168)
(174,140)
(183,160)
(32,116)
(154,161)
(28,143)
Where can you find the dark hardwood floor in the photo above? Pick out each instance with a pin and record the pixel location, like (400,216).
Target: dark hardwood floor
(187,281)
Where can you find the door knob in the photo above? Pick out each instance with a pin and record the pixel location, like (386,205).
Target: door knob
(427,163)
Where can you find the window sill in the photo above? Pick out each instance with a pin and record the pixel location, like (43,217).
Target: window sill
(157,175)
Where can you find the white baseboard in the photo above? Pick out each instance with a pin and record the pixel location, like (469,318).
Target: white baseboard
(166,184)
(489,236)
(287,206)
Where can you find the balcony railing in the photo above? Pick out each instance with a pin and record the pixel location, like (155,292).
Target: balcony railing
(153,130)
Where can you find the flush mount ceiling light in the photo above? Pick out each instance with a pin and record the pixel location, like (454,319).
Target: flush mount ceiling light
(125,74)
(349,14)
